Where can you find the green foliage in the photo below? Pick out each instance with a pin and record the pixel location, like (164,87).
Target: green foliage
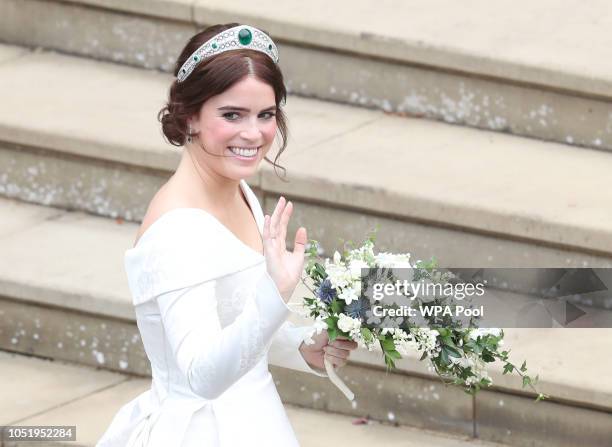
(332,327)
(336,306)
(452,351)
(367,334)
(444,360)
(452,342)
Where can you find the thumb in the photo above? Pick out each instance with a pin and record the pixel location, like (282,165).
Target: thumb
(299,244)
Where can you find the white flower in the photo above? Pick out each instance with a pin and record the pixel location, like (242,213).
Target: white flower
(337,258)
(405,346)
(338,275)
(392,260)
(355,267)
(483,332)
(462,361)
(364,253)
(320,325)
(477,366)
(427,340)
(348,324)
(348,294)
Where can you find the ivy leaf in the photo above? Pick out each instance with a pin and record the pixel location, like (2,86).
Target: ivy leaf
(332,334)
(444,357)
(508,368)
(444,332)
(394,354)
(487,357)
(336,306)
(387,344)
(524,366)
(366,334)
(389,362)
(332,329)
(452,351)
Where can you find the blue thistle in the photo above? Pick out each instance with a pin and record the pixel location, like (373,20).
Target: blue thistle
(356,309)
(326,292)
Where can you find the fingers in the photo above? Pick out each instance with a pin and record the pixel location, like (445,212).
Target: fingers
(339,351)
(275,227)
(266,228)
(336,352)
(344,343)
(301,237)
(275,218)
(299,245)
(337,362)
(284,222)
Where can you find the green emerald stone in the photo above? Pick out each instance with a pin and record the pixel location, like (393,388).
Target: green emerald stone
(196,58)
(214,45)
(270,47)
(245,36)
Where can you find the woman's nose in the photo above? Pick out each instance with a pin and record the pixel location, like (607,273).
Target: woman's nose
(251,131)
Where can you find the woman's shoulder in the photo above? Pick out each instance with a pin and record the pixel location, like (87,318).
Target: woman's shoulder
(164,204)
(182,248)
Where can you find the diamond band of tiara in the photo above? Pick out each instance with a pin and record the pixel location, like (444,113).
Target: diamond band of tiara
(236,38)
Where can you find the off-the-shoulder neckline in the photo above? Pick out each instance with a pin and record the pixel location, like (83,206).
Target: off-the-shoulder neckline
(163,217)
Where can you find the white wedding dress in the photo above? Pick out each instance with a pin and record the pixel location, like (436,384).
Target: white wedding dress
(211,319)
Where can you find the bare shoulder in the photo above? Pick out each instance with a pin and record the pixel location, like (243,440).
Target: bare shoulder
(165,200)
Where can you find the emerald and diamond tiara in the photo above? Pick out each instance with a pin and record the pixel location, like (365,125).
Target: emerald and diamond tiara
(236,38)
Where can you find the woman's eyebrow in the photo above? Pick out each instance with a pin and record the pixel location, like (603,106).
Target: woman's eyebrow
(242,109)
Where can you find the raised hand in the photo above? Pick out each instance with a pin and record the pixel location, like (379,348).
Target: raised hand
(284,267)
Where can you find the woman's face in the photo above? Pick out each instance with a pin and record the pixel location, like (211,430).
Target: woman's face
(240,125)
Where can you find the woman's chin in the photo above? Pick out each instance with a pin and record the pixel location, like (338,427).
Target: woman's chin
(237,172)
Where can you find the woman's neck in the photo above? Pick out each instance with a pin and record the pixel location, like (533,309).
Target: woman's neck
(204,186)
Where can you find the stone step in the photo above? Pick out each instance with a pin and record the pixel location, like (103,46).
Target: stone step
(64,295)
(41,392)
(434,189)
(540,69)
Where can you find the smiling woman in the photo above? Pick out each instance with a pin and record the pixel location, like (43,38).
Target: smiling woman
(246,87)
(210,275)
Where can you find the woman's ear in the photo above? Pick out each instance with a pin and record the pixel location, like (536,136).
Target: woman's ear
(193,128)
(193,124)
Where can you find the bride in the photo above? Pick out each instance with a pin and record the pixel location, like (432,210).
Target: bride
(210,276)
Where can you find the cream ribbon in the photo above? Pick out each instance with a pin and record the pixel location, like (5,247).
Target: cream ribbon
(336,380)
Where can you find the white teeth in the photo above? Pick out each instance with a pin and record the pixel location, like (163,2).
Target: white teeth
(244,152)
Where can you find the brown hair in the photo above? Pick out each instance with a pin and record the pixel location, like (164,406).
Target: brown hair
(212,77)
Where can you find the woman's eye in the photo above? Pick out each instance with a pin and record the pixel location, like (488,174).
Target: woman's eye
(233,116)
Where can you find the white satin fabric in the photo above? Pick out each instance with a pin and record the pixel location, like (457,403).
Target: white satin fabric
(211,319)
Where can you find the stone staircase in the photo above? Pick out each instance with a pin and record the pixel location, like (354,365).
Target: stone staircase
(88,399)
(81,154)
(498,66)
(64,296)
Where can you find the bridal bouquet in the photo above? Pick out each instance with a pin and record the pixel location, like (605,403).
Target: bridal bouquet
(456,351)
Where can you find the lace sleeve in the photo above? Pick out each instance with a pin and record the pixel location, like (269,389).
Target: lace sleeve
(212,358)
